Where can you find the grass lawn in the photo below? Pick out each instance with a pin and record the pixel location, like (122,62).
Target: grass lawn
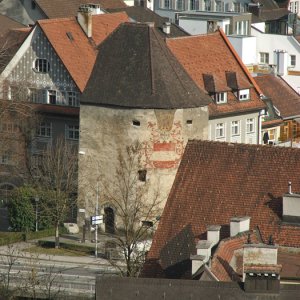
(53,251)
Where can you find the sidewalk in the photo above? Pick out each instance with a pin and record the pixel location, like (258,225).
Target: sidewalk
(66,238)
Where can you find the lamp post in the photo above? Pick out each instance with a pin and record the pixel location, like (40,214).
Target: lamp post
(36,212)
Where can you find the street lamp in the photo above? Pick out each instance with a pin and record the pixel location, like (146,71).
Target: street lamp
(36,199)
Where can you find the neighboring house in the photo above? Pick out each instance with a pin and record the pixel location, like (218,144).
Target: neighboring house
(236,110)
(115,288)
(221,190)
(51,69)
(291,5)
(141,14)
(287,104)
(202,22)
(143,94)
(168,8)
(29,11)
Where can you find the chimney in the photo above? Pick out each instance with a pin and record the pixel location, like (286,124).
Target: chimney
(84,18)
(260,268)
(167,27)
(202,256)
(282,62)
(291,206)
(213,234)
(238,225)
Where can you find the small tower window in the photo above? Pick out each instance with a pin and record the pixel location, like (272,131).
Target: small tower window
(142,175)
(189,122)
(136,123)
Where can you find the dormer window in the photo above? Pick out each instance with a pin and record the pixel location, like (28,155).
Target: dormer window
(244,94)
(42,65)
(221,98)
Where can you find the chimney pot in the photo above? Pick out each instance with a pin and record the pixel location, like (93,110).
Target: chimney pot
(167,27)
(290,187)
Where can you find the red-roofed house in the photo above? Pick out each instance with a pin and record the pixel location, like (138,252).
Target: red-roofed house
(52,67)
(210,60)
(245,186)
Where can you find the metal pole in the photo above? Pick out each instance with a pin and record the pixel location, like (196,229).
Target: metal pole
(36,213)
(96,229)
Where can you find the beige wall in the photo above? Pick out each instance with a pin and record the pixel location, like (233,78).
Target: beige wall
(163,134)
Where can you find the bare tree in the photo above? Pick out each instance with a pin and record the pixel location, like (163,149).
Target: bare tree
(56,182)
(136,208)
(10,259)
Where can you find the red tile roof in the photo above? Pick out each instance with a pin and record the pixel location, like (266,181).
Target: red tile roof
(206,54)
(78,54)
(217,181)
(69,8)
(220,265)
(283,96)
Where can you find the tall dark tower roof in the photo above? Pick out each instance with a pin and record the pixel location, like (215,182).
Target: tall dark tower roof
(135,69)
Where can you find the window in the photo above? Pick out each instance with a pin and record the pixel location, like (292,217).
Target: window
(220,130)
(207,5)
(250,125)
(221,98)
(45,129)
(244,94)
(219,6)
(147,224)
(236,6)
(72,98)
(5,159)
(189,122)
(293,60)
(242,27)
(52,97)
(235,127)
(192,4)
(136,123)
(72,132)
(166,3)
(142,175)
(264,58)
(227,26)
(179,4)
(8,127)
(42,65)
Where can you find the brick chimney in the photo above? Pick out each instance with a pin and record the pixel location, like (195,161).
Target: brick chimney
(84,18)
(260,268)
(238,225)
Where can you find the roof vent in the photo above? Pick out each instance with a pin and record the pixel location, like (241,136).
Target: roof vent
(167,27)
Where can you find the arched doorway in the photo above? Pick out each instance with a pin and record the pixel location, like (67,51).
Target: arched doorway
(109,219)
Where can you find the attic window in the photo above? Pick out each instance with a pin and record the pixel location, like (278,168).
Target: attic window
(244,94)
(142,175)
(221,98)
(42,65)
(189,122)
(136,123)
(70,36)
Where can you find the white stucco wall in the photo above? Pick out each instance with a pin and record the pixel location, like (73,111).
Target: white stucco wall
(243,137)
(245,47)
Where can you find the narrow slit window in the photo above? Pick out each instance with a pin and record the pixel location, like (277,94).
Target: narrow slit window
(142,175)
(136,123)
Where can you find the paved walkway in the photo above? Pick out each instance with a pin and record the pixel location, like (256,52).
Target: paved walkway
(73,239)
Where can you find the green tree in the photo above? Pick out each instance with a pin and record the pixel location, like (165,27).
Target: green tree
(21,210)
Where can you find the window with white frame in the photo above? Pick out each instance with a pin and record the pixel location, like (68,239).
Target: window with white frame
(52,97)
(42,65)
(207,5)
(264,58)
(5,158)
(227,27)
(72,132)
(293,60)
(293,7)
(179,4)
(250,125)
(221,98)
(45,129)
(166,3)
(220,130)
(235,127)
(72,98)
(8,127)
(244,94)
(242,27)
